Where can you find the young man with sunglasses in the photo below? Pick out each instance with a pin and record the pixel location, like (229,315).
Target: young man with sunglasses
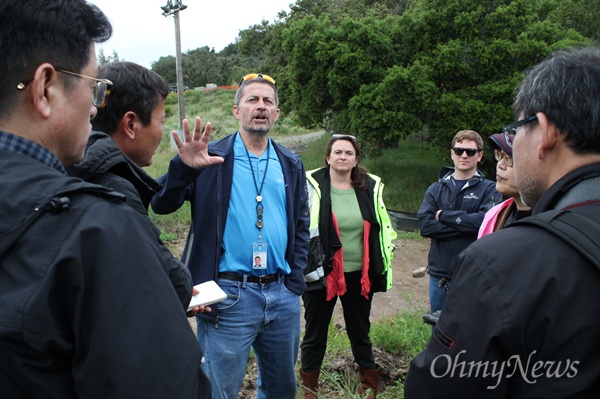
(452,211)
(87,310)
(248,199)
(521,320)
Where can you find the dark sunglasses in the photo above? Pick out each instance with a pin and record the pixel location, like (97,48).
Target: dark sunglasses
(252,76)
(458,151)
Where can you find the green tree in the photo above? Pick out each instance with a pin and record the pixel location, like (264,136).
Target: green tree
(202,66)
(167,68)
(580,15)
(444,65)
(477,52)
(103,59)
(328,63)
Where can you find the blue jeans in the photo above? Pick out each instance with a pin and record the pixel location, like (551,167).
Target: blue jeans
(264,317)
(437,293)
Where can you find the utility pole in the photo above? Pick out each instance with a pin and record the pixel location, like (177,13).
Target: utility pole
(172,8)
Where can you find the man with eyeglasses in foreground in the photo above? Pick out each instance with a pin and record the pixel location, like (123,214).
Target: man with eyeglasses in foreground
(80,275)
(452,211)
(248,199)
(513,208)
(522,315)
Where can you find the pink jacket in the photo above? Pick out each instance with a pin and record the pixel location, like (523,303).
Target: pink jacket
(490,219)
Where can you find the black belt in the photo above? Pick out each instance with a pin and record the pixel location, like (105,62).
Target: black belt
(266,279)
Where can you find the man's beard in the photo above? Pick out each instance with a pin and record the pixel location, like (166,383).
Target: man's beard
(258,131)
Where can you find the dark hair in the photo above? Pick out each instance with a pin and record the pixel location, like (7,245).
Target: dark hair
(32,32)
(134,88)
(566,88)
(358,175)
(240,91)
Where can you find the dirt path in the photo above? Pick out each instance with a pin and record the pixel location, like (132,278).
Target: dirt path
(407,292)
(298,143)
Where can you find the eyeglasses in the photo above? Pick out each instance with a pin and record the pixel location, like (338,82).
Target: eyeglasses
(510,130)
(500,155)
(252,76)
(471,152)
(343,136)
(100,92)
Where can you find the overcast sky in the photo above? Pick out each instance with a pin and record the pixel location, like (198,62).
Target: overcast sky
(143,35)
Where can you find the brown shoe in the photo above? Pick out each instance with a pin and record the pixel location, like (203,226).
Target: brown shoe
(369,379)
(310,381)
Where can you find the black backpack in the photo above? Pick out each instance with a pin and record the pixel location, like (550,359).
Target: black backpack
(579,231)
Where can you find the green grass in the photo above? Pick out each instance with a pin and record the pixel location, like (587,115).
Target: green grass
(402,334)
(406,171)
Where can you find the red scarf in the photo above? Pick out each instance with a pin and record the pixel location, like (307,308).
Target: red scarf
(335,281)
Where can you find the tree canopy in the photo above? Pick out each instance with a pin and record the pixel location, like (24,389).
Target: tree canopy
(386,69)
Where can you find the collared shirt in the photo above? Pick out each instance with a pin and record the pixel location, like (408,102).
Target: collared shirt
(240,229)
(20,145)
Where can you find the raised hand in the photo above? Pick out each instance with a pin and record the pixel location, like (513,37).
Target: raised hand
(193,150)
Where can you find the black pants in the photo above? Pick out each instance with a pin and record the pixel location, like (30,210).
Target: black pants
(317,314)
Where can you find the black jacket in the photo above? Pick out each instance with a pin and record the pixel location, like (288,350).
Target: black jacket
(86,308)
(522,299)
(458,224)
(106,165)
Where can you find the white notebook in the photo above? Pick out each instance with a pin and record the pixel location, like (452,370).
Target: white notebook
(209,293)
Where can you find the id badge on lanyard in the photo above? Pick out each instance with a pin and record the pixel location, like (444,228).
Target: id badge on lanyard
(259,255)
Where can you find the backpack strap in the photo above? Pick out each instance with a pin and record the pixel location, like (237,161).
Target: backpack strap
(579,231)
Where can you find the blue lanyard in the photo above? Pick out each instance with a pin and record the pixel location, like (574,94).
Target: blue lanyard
(259,206)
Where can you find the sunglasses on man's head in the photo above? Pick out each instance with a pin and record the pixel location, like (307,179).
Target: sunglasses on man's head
(470,151)
(252,76)
(343,136)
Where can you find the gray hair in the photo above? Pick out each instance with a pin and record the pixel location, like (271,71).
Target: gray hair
(566,88)
(240,91)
